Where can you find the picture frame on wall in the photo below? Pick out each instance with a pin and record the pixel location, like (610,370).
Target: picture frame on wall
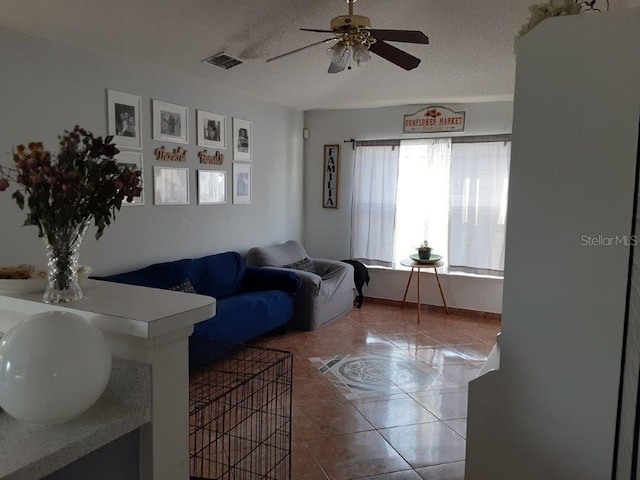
(212,187)
(124,112)
(212,129)
(241,183)
(331,172)
(242,139)
(170,122)
(171,185)
(132,160)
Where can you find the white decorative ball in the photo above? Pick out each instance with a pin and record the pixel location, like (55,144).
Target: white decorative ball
(53,367)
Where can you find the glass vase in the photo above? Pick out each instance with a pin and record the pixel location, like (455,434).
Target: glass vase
(63,249)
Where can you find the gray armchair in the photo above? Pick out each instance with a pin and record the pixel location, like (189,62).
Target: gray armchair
(327,285)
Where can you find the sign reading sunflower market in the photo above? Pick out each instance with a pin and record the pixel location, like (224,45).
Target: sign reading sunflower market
(434,119)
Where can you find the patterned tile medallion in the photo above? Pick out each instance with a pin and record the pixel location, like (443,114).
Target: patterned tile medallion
(361,376)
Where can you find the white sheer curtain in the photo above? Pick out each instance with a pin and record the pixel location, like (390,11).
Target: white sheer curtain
(374,204)
(452,194)
(478,206)
(423,196)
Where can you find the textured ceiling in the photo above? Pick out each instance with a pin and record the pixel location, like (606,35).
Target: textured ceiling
(470,57)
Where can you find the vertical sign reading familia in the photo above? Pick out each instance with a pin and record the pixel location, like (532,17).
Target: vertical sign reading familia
(330,177)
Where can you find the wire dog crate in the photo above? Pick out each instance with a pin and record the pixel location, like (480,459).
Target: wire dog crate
(240,412)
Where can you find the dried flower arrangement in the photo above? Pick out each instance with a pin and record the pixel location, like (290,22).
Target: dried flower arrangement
(82,182)
(554,8)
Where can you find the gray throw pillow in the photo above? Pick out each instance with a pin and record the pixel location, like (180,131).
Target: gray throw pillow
(305,265)
(185,286)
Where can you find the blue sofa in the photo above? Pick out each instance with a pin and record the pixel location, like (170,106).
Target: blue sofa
(249,301)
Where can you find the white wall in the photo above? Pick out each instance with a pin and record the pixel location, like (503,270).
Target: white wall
(47,87)
(550,411)
(327,231)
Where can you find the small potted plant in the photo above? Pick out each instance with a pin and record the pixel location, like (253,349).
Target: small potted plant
(424,251)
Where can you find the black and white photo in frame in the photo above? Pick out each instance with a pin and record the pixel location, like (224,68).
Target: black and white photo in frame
(170,122)
(212,187)
(133,161)
(123,119)
(241,183)
(211,129)
(241,139)
(171,185)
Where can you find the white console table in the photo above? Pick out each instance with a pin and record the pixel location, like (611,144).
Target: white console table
(144,325)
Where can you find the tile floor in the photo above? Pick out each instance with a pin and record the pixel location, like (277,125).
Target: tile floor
(377,396)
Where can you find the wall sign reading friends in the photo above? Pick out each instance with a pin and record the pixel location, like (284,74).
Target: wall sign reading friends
(177,155)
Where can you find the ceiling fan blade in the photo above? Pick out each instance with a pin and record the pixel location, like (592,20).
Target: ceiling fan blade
(407,36)
(335,68)
(300,49)
(316,30)
(395,55)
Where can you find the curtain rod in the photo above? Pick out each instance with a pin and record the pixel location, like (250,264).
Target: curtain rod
(504,137)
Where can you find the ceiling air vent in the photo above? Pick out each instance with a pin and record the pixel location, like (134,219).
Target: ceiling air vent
(224,60)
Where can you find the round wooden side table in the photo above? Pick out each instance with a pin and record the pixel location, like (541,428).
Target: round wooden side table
(407,262)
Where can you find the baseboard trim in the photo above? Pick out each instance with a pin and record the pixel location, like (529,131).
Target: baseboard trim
(437,308)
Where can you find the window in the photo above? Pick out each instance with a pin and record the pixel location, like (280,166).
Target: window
(478,207)
(374,206)
(451,192)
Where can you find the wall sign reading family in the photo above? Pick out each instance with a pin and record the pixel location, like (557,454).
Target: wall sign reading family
(215,159)
(330,176)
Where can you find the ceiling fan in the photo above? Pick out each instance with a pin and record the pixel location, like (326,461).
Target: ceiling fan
(355,38)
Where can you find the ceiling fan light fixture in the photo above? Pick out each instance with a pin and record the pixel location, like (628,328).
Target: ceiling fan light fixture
(360,54)
(356,40)
(338,53)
